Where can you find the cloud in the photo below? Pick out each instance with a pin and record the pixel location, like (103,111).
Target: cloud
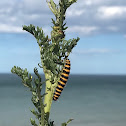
(111,12)
(73,12)
(9,28)
(86,17)
(92,2)
(85,30)
(15,29)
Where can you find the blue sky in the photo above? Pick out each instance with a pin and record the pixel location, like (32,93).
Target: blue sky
(99,24)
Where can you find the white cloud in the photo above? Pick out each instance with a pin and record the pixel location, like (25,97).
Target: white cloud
(106,12)
(74,12)
(92,2)
(10,28)
(85,16)
(32,16)
(86,30)
(16,29)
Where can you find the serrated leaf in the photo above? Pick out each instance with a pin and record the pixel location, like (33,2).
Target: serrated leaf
(65,28)
(33,122)
(37,115)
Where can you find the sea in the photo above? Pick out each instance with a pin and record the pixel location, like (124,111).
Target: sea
(91,100)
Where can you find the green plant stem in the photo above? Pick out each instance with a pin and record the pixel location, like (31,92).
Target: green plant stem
(48,97)
(41,105)
(48,91)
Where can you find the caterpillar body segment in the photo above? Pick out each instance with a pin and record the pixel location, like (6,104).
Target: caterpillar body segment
(63,80)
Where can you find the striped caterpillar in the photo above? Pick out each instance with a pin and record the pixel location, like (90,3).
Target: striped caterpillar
(63,80)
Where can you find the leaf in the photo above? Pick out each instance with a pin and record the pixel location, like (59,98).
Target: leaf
(65,123)
(53,21)
(65,28)
(53,5)
(69,120)
(37,115)
(33,122)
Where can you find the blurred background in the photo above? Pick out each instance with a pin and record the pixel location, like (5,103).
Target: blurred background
(96,89)
(99,24)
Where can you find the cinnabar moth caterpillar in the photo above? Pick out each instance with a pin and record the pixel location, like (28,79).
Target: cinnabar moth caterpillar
(63,80)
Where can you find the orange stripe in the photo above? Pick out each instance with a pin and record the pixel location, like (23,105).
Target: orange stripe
(56,96)
(63,78)
(62,82)
(67,65)
(66,70)
(60,86)
(67,60)
(66,75)
(58,90)
(57,93)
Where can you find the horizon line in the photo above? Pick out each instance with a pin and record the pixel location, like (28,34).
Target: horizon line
(77,73)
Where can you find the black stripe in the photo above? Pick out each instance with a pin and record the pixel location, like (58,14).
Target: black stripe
(68,68)
(67,60)
(55,98)
(68,64)
(66,72)
(64,76)
(56,95)
(61,85)
(63,80)
(59,88)
(58,92)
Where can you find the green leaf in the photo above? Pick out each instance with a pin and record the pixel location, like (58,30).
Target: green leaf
(69,120)
(65,28)
(33,122)
(65,123)
(37,115)
(53,21)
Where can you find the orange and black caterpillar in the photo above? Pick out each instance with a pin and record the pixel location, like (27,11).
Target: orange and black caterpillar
(63,80)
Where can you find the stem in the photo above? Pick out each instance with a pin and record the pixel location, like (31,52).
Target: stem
(48,90)
(61,14)
(41,105)
(48,97)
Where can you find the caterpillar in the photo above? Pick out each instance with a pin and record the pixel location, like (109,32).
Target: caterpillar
(63,80)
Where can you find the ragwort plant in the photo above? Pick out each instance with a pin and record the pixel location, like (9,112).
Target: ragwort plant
(53,52)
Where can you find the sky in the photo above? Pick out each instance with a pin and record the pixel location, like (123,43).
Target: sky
(101,26)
